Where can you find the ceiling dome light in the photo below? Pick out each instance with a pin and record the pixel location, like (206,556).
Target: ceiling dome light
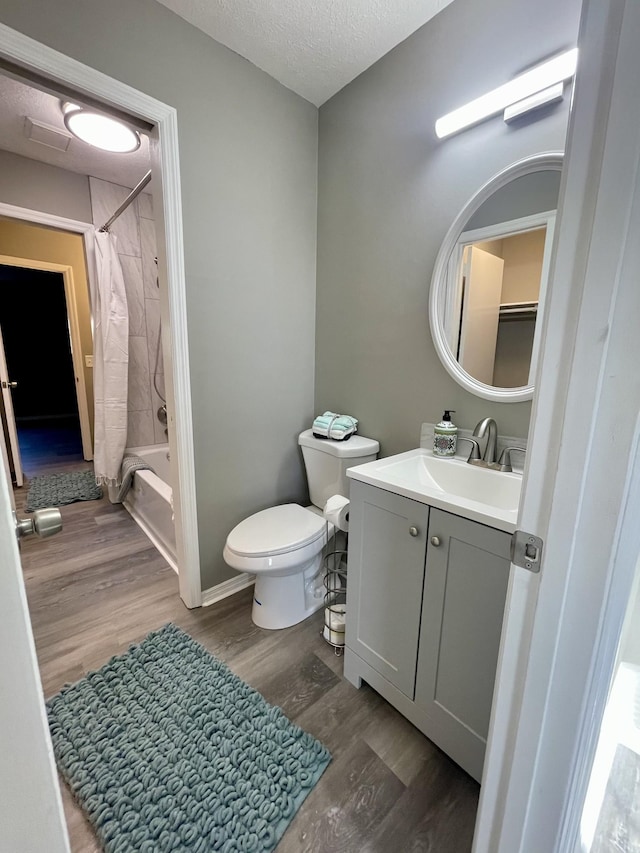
(99,130)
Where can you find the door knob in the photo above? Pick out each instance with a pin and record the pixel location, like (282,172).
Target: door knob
(435,541)
(13,384)
(414,531)
(45,522)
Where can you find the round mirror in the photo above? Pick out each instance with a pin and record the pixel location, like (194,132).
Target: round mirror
(490,277)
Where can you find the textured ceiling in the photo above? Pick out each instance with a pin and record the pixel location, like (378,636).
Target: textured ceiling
(314,47)
(20,100)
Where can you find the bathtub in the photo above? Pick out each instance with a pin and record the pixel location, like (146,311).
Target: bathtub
(148,501)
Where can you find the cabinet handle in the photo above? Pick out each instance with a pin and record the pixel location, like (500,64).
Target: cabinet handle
(435,541)
(414,531)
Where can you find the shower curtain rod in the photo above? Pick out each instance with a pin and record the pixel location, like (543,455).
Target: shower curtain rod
(135,192)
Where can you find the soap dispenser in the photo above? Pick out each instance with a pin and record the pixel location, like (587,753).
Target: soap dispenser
(445,436)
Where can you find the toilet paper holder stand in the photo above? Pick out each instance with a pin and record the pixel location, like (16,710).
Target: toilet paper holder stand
(335,597)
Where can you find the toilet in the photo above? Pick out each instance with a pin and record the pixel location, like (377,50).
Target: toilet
(282,546)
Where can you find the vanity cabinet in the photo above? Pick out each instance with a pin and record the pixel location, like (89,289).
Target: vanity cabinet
(425,602)
(387,543)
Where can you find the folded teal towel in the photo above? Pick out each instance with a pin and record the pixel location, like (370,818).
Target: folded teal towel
(326,418)
(333,425)
(338,420)
(344,422)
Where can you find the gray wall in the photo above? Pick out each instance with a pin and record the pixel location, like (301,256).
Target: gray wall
(388,192)
(535,193)
(38,186)
(248,155)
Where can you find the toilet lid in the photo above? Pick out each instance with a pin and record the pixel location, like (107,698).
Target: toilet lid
(276,530)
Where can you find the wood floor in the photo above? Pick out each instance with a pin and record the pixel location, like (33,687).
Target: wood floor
(99,586)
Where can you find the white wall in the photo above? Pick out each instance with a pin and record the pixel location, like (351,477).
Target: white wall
(248,163)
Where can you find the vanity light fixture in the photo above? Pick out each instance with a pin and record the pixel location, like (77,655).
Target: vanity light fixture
(534,102)
(533,86)
(100,130)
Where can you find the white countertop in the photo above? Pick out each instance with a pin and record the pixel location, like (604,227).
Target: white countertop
(480,494)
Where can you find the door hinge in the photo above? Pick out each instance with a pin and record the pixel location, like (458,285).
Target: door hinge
(526,550)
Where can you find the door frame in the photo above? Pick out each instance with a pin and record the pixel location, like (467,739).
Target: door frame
(561,626)
(74,337)
(38,58)
(8,427)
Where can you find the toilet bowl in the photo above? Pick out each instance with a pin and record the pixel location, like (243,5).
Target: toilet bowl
(283,545)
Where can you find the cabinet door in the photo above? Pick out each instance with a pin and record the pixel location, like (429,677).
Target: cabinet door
(467,572)
(387,544)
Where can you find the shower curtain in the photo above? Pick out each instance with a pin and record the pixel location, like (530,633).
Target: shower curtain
(110,360)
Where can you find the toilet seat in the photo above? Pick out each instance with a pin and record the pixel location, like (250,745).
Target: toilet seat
(276,530)
(276,539)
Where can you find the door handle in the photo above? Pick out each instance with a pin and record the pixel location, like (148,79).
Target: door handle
(45,522)
(9,384)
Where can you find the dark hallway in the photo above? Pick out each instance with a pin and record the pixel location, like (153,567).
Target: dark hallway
(35,332)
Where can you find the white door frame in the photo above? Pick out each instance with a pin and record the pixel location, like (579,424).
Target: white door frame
(8,418)
(557,651)
(4,452)
(32,55)
(74,337)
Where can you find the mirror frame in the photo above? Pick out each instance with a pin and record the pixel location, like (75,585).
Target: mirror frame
(440,280)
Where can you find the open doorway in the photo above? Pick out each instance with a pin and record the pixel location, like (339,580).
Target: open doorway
(45,317)
(45,320)
(40,363)
(93,195)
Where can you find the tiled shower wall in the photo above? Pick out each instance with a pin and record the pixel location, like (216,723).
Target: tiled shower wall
(135,232)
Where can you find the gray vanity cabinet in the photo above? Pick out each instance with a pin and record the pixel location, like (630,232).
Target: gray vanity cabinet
(387,544)
(425,603)
(467,574)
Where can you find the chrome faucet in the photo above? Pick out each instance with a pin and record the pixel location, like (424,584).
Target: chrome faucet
(492,437)
(474,454)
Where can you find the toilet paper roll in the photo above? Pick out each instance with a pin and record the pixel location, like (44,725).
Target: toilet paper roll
(336,510)
(336,638)
(334,623)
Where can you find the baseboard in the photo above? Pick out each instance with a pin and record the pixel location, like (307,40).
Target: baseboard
(226,588)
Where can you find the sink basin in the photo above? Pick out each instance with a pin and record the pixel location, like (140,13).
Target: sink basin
(491,497)
(458,478)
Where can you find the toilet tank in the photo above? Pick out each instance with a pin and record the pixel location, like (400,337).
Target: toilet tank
(326,462)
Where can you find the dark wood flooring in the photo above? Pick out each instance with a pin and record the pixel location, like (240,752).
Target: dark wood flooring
(99,585)
(50,444)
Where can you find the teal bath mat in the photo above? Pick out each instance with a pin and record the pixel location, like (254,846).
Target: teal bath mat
(62,489)
(167,750)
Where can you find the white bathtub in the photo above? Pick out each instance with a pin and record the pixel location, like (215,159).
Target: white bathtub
(149,500)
